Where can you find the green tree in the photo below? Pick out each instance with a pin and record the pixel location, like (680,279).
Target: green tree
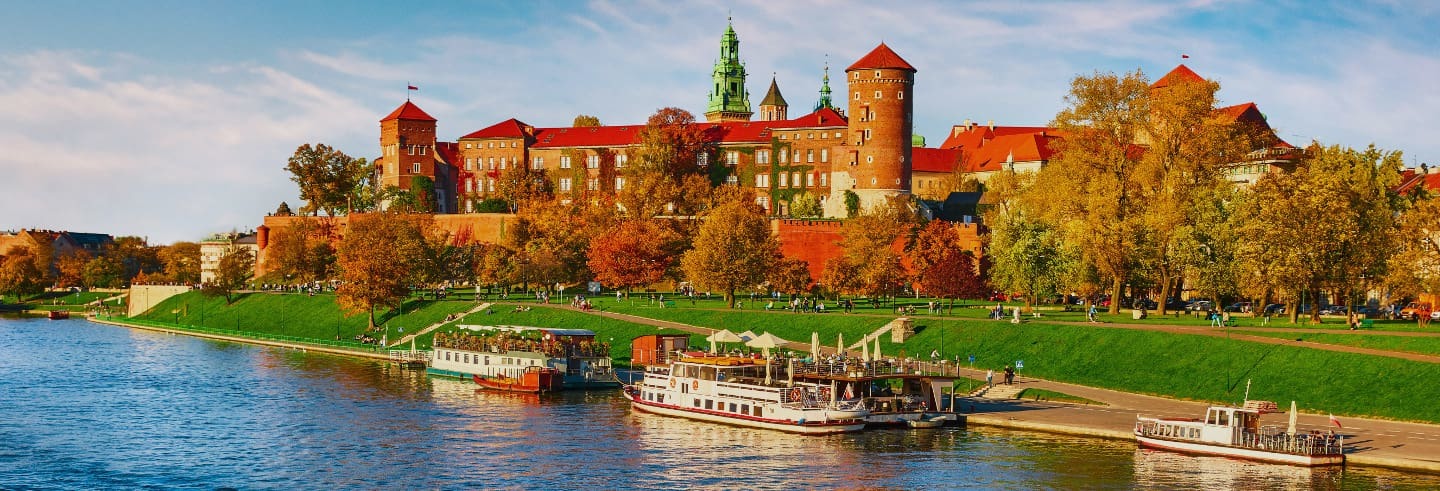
(805,205)
(1104,115)
(233,271)
(733,250)
(328,179)
(104,271)
(852,204)
(586,121)
(1028,257)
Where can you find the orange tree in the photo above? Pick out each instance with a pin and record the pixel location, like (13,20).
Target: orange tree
(377,257)
(942,269)
(733,249)
(637,252)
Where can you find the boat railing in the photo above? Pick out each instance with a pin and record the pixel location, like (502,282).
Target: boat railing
(1291,443)
(408,356)
(854,367)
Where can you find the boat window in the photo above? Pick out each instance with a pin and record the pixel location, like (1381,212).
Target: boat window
(1223,418)
(697,403)
(744,409)
(732,407)
(757,411)
(707,373)
(709,404)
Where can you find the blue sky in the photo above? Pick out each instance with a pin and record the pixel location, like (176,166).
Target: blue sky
(173,120)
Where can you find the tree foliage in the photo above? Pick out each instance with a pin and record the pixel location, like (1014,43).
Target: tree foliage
(733,250)
(23,272)
(806,205)
(871,242)
(328,179)
(377,259)
(182,262)
(942,268)
(790,276)
(668,169)
(635,253)
(231,274)
(300,253)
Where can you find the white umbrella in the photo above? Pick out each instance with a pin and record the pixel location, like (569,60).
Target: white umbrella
(765,342)
(865,350)
(721,336)
(814,343)
(877,348)
(840,344)
(1293,415)
(746,336)
(790,374)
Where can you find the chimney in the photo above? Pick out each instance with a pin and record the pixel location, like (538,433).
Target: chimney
(968,124)
(991,124)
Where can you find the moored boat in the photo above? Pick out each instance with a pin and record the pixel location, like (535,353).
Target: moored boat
(58,314)
(744,392)
(1236,432)
(926,421)
(503,357)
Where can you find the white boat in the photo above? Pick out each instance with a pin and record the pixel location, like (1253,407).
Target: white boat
(502,353)
(926,421)
(739,391)
(1236,432)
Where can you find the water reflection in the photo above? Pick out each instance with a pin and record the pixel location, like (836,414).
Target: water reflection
(98,407)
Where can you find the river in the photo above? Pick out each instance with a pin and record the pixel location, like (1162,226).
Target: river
(89,406)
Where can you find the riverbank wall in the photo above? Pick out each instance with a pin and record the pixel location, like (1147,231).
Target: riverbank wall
(383,356)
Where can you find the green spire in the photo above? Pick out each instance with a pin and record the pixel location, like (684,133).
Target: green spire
(728,95)
(825,90)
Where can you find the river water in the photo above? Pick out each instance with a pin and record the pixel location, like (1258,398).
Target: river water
(89,406)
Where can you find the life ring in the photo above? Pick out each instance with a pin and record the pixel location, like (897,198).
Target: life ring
(695,385)
(672,383)
(795,394)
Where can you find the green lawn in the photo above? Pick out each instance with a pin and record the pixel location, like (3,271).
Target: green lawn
(294,314)
(788,325)
(72,301)
(1424,346)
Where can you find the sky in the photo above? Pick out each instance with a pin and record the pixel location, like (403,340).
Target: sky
(172,120)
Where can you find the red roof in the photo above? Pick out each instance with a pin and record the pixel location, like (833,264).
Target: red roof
(1410,179)
(510,128)
(1180,73)
(1023,147)
(448,151)
(409,111)
(976,135)
(881,57)
(821,117)
(593,136)
(941,160)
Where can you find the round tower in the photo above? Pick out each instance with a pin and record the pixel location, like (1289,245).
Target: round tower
(881,109)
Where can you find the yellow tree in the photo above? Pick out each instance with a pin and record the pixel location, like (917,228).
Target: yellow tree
(234,269)
(1415,267)
(733,249)
(790,276)
(377,257)
(1093,190)
(870,241)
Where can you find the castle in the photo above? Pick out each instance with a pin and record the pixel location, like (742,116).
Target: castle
(865,149)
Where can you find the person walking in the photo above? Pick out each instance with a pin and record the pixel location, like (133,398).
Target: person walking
(990,378)
(1009,375)
(1091,314)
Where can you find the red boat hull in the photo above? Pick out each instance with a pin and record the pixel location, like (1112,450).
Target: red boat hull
(532,381)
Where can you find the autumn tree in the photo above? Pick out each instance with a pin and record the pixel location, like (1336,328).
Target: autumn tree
(328,179)
(839,276)
(733,250)
(790,276)
(233,271)
(870,242)
(1093,191)
(551,240)
(376,260)
(104,271)
(70,269)
(494,265)
(942,268)
(806,205)
(635,253)
(22,272)
(669,166)
(300,253)
(182,262)
(135,256)
(1029,257)
(586,121)
(522,184)
(1415,266)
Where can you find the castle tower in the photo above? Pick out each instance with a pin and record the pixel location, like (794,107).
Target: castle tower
(824,101)
(876,164)
(773,107)
(729,101)
(407,146)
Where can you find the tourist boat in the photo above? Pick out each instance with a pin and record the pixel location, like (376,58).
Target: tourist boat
(895,392)
(523,359)
(744,392)
(1236,432)
(534,379)
(58,314)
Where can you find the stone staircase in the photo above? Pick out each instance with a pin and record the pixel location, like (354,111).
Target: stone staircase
(999,391)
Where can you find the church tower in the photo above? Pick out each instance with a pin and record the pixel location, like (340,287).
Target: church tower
(773,108)
(876,161)
(824,101)
(729,101)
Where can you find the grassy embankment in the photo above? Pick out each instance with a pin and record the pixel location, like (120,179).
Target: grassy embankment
(72,301)
(1363,339)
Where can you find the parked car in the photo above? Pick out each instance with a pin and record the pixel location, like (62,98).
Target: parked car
(1174,304)
(1333,310)
(1435,316)
(1200,306)
(1275,309)
(1408,313)
(1238,307)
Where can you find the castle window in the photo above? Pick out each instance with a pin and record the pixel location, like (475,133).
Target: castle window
(392,168)
(469,185)
(824,155)
(857,96)
(810,180)
(762,156)
(467,145)
(619,183)
(732,180)
(877,73)
(732,158)
(782,136)
(469,165)
(867,133)
(782,155)
(809,155)
(592,162)
(810,136)
(538,163)
(565,184)
(592,184)
(564,161)
(415,169)
(764,202)
(702,159)
(795,179)
(837,134)
(620,160)
(822,182)
(411,149)
(502,163)
(784,180)
(492,163)
(873,181)
(900,95)
(492,144)
(490,185)
(877,96)
(762,180)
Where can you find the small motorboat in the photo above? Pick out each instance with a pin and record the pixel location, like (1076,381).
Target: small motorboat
(58,314)
(926,421)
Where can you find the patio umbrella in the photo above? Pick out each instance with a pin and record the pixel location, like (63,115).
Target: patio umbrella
(721,336)
(765,342)
(840,344)
(814,343)
(864,350)
(746,336)
(877,348)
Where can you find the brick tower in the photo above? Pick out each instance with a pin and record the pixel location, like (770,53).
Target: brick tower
(875,162)
(407,146)
(774,108)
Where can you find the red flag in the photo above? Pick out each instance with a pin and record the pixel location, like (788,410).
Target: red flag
(411,87)
(1182,55)
(1335,422)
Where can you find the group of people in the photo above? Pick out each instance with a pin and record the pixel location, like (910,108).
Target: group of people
(1009,374)
(799,305)
(582,303)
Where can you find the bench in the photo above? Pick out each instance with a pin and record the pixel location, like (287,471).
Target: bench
(1367,323)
